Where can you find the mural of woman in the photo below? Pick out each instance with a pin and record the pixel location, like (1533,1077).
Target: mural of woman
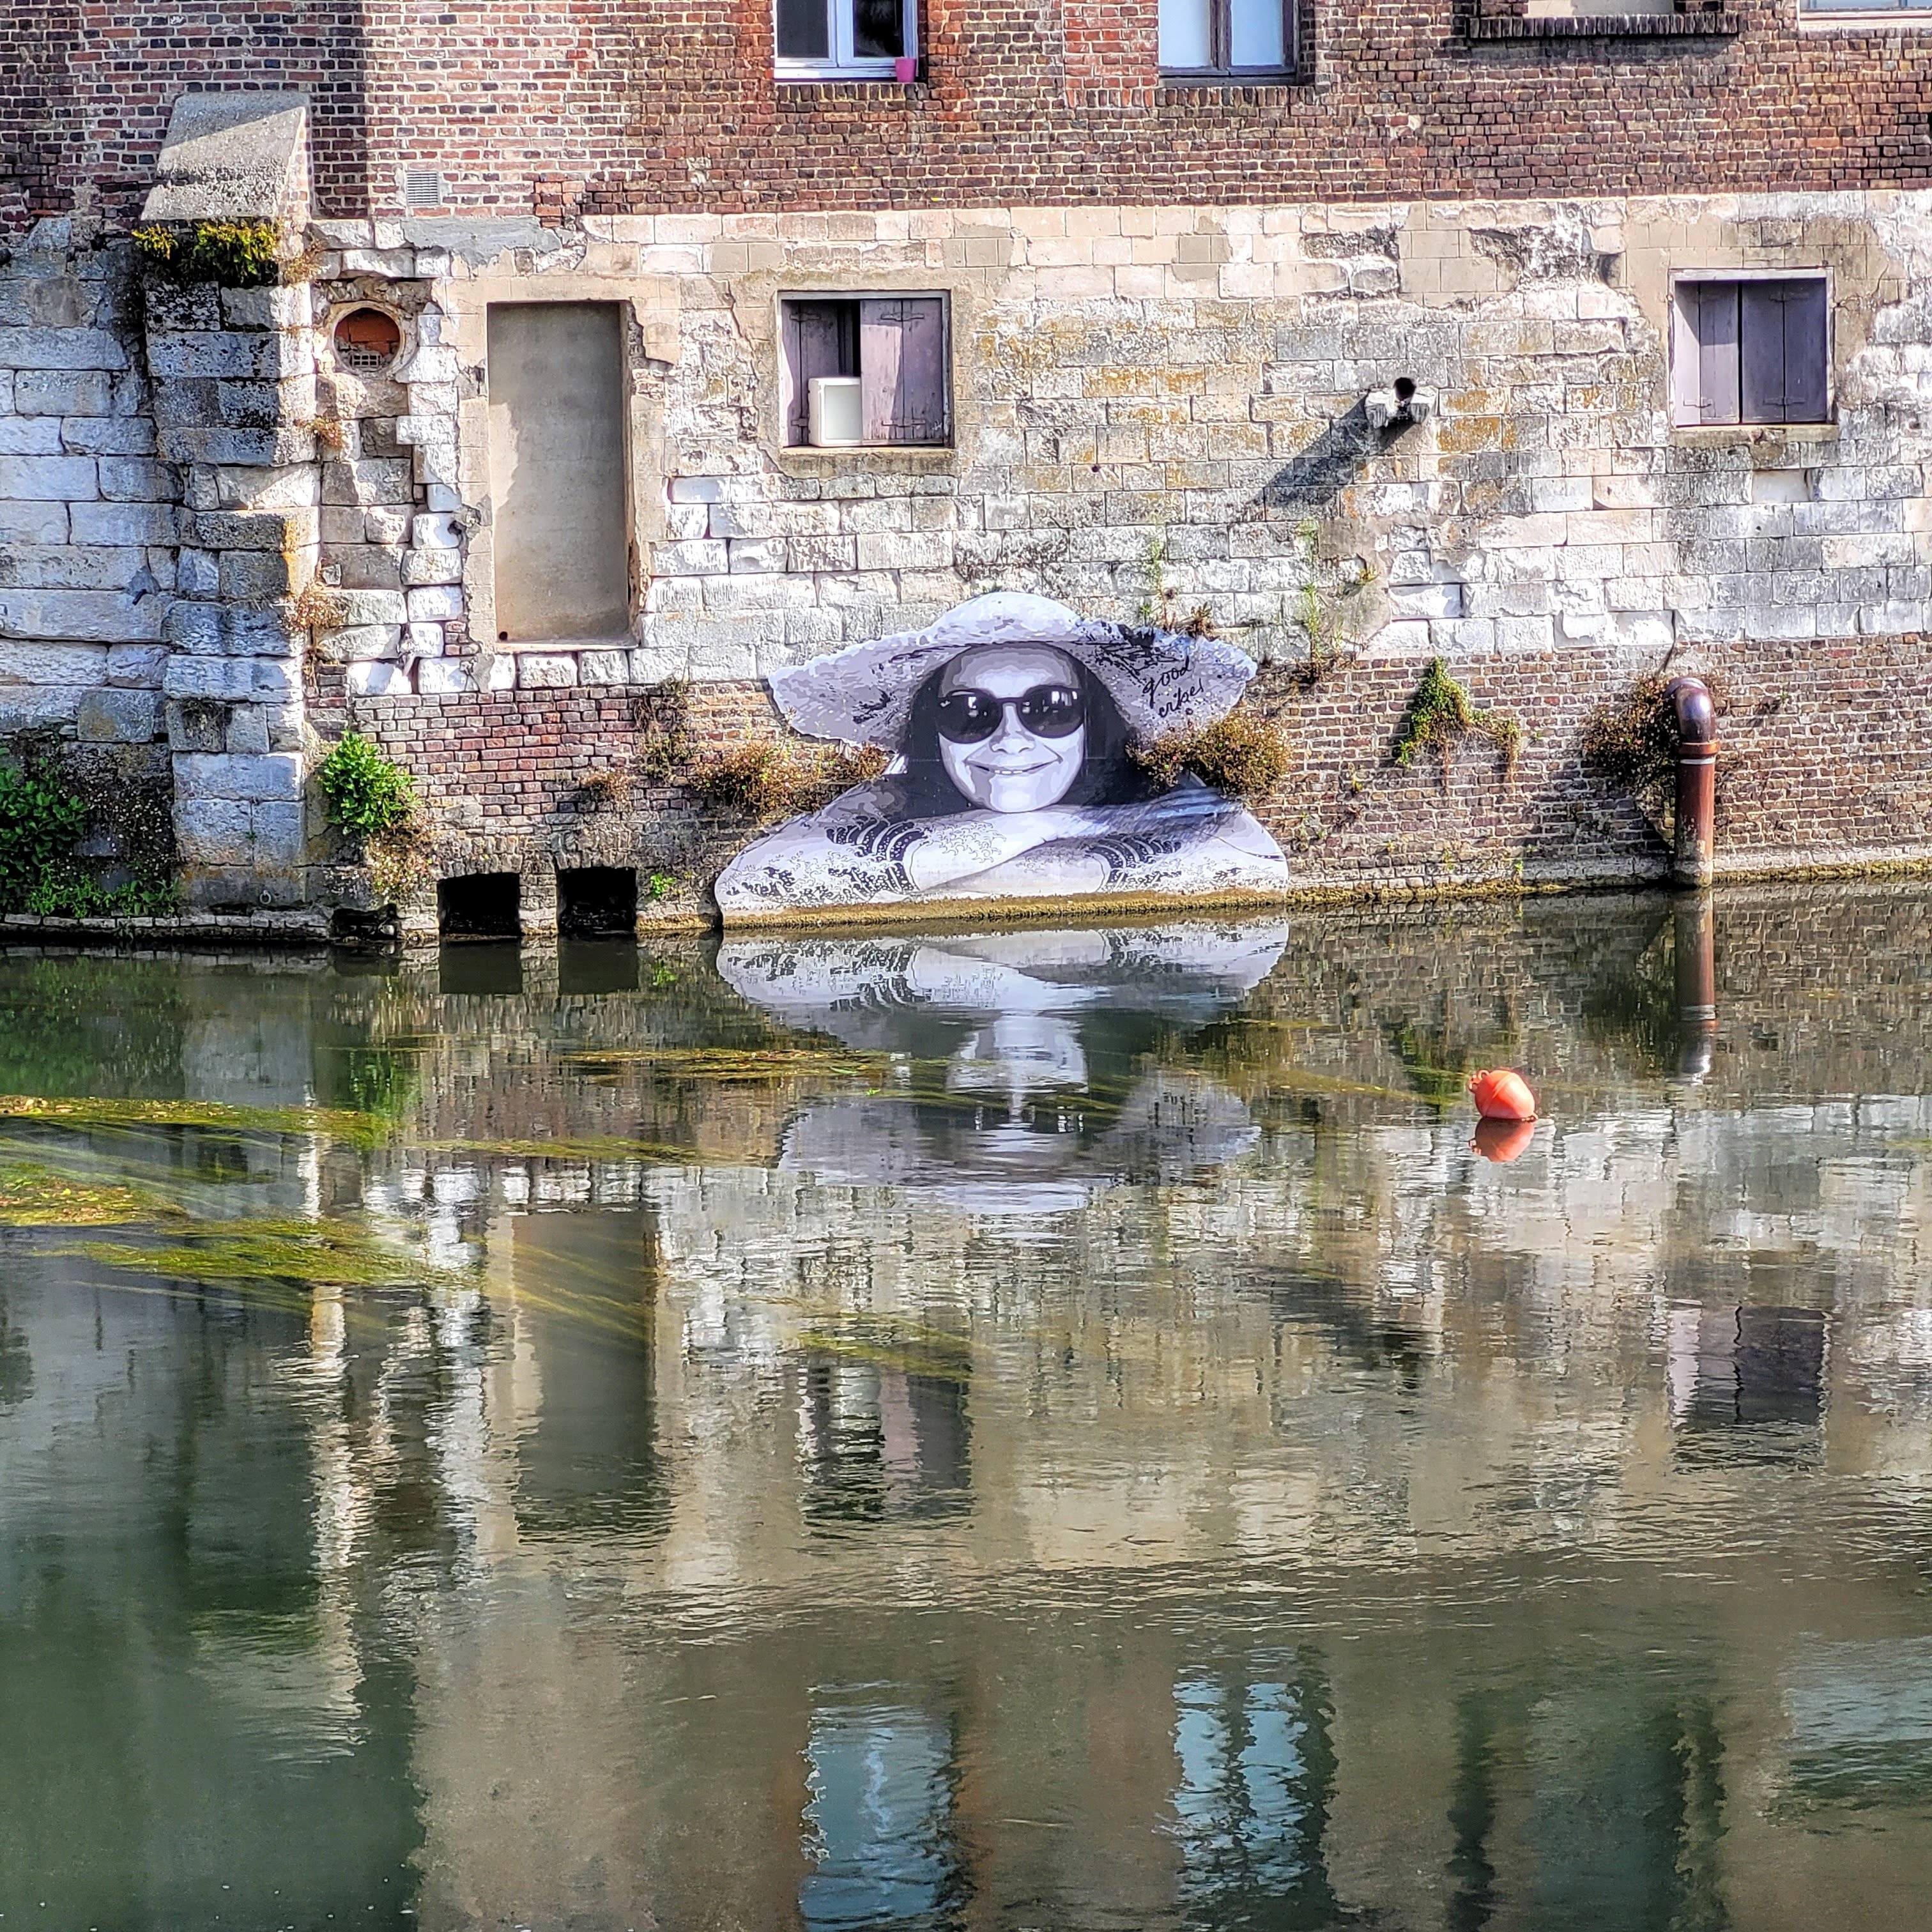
(1011,720)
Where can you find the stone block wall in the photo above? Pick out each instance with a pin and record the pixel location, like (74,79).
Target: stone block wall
(219,544)
(1159,410)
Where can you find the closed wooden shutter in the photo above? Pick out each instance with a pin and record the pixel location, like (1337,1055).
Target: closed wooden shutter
(1718,358)
(1784,344)
(820,339)
(902,369)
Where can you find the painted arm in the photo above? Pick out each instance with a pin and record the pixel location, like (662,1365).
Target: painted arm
(852,853)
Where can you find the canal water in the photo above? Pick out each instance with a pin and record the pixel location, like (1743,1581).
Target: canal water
(1068,1428)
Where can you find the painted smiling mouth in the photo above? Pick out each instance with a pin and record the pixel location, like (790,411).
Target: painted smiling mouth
(1015,771)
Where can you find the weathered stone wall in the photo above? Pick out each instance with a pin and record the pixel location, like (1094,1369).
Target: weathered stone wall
(1159,412)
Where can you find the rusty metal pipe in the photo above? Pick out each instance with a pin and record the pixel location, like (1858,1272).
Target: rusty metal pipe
(1696,781)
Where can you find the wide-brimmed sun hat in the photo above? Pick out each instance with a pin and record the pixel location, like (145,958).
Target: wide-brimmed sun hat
(1163,680)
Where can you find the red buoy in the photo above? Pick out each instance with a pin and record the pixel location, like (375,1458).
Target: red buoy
(1503,1141)
(1500,1095)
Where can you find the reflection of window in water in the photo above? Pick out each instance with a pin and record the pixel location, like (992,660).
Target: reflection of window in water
(1603,1799)
(590,1463)
(878,1827)
(1861,1717)
(880,1441)
(1252,1804)
(1746,1383)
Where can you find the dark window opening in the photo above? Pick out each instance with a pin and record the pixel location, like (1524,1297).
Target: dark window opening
(367,342)
(1750,352)
(597,902)
(484,905)
(866,371)
(1225,37)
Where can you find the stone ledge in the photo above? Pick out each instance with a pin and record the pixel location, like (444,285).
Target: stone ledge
(254,928)
(1607,26)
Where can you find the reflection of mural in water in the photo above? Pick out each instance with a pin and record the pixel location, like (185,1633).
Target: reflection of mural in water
(1011,721)
(1043,1097)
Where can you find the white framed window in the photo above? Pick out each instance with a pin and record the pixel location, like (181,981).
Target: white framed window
(1865,12)
(819,39)
(1217,39)
(1750,349)
(865,372)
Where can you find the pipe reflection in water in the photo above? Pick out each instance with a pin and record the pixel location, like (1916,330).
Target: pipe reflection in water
(1695,923)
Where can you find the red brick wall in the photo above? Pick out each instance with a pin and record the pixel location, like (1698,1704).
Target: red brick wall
(85,87)
(615,105)
(1827,760)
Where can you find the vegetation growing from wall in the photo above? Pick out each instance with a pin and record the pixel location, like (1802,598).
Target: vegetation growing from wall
(41,821)
(781,778)
(230,254)
(367,794)
(1243,754)
(371,797)
(1439,715)
(1631,741)
(665,745)
(1322,608)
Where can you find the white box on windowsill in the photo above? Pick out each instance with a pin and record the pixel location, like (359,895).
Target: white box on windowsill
(834,419)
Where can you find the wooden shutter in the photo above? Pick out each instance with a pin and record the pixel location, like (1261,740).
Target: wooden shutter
(1686,383)
(1717,361)
(819,340)
(1784,346)
(902,369)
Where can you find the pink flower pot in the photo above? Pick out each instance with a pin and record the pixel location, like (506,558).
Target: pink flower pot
(905,69)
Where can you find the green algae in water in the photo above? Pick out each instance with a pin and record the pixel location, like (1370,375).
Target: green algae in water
(759,1065)
(66,1110)
(32,1196)
(912,1347)
(285,1253)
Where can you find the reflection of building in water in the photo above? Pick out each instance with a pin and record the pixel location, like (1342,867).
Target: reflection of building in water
(879,1443)
(1311,1516)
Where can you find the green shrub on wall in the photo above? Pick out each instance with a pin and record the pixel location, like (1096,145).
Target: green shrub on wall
(1441,711)
(41,822)
(231,254)
(368,793)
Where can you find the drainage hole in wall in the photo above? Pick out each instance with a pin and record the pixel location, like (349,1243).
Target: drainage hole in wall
(483,905)
(367,342)
(596,901)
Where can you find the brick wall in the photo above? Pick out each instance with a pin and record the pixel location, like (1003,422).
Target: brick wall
(1824,764)
(610,108)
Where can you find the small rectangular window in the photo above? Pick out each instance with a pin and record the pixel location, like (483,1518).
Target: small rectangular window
(1750,351)
(820,39)
(881,362)
(1208,37)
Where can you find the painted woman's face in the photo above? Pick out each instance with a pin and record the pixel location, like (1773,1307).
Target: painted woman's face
(1013,726)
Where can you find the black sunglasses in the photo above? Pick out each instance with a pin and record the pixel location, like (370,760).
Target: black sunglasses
(1048,711)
